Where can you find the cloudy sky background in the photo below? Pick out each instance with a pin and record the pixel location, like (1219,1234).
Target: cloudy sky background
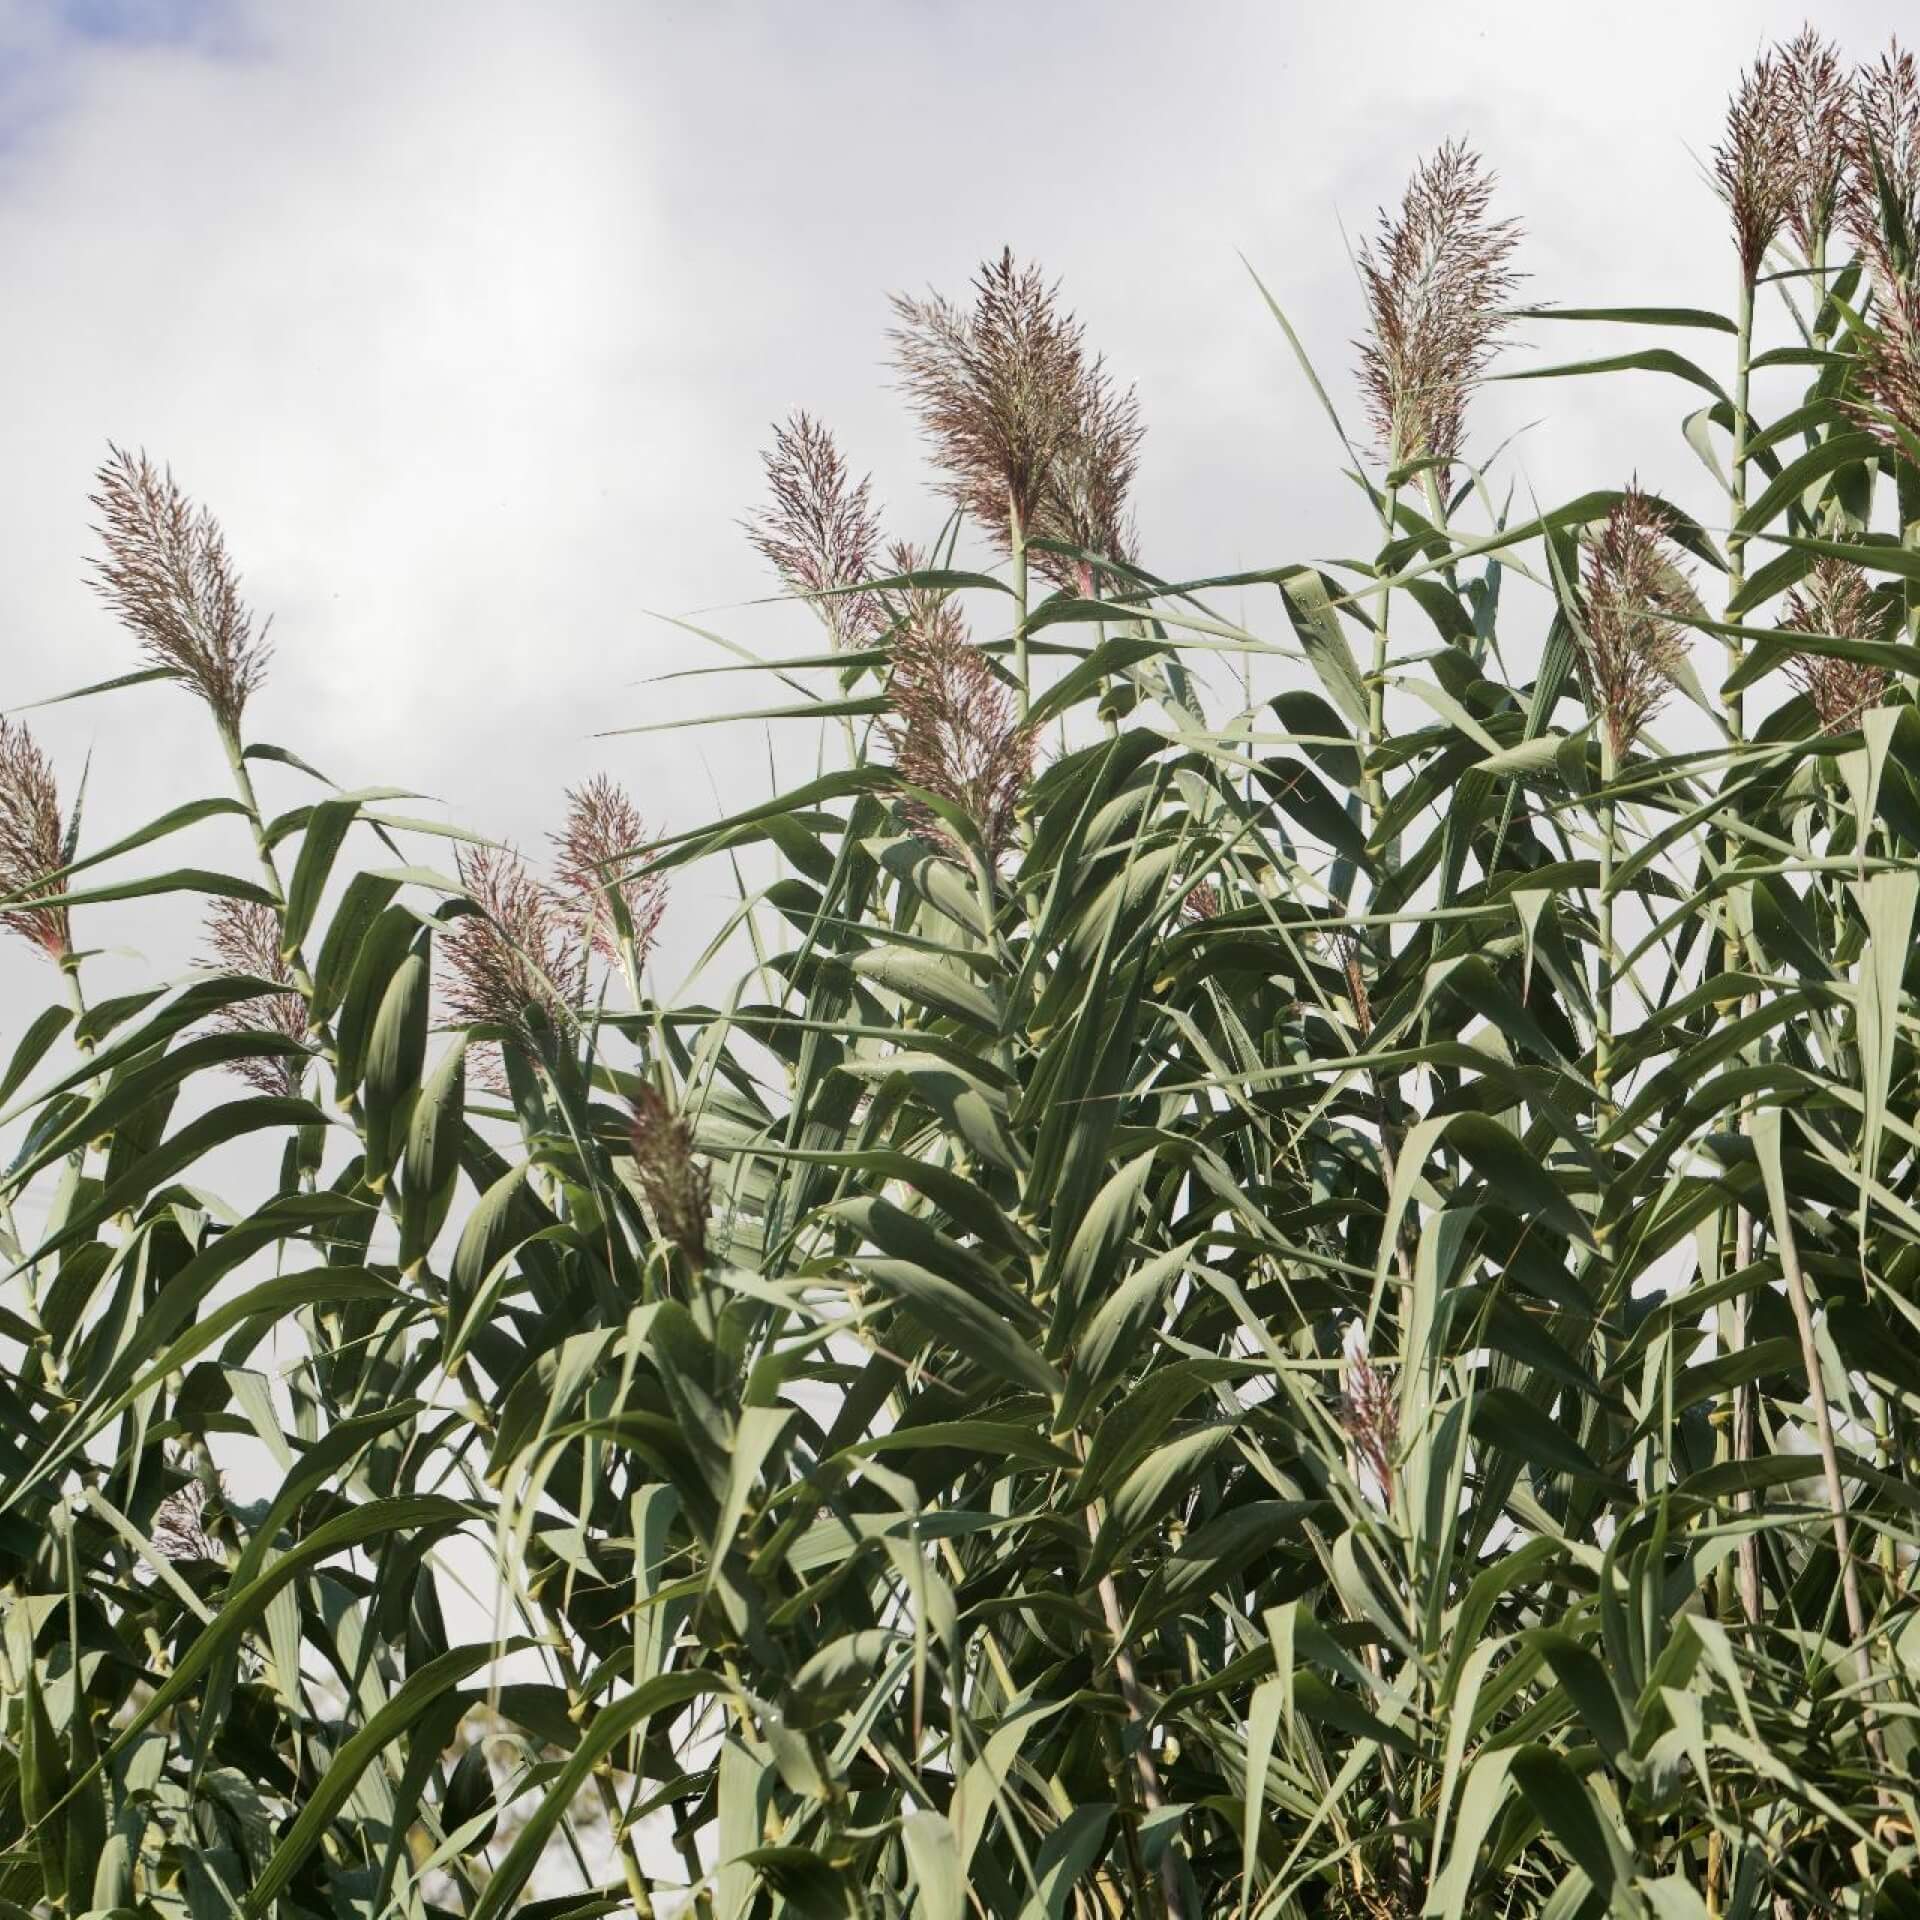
(469,320)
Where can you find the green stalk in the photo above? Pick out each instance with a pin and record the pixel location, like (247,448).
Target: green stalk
(1373,785)
(1603,915)
(1017,544)
(1741,1437)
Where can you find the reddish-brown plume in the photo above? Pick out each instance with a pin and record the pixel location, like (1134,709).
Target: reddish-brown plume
(1202,903)
(1370,1414)
(677,1188)
(30,841)
(243,937)
(165,572)
(1084,502)
(1436,280)
(1632,645)
(1836,599)
(516,953)
(818,529)
(1026,428)
(1756,167)
(594,865)
(1816,100)
(1882,213)
(954,733)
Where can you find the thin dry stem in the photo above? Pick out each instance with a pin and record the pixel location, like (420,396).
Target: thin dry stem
(166,573)
(30,841)
(1436,281)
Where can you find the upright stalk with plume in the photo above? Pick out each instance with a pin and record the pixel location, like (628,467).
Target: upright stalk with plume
(1630,647)
(1030,433)
(1881,210)
(1437,279)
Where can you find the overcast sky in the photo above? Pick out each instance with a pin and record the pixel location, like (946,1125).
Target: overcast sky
(469,319)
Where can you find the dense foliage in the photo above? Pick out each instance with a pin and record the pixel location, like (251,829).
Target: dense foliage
(1305,1303)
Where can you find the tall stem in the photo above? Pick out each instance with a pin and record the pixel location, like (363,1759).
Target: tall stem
(1741,1437)
(1017,542)
(1603,917)
(1374,788)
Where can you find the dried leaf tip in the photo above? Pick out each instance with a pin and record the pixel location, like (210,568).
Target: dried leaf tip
(676,1187)
(954,734)
(243,937)
(1631,646)
(515,954)
(818,529)
(1436,282)
(598,888)
(1030,432)
(1756,166)
(31,843)
(165,571)
(1838,601)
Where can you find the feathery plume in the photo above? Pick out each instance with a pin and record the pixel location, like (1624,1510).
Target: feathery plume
(1815,100)
(999,390)
(1882,212)
(1631,645)
(1435,283)
(1756,167)
(594,854)
(677,1188)
(818,530)
(1084,501)
(1369,1413)
(30,841)
(1836,600)
(1350,954)
(243,937)
(1202,903)
(1881,203)
(517,952)
(955,734)
(166,573)
(181,1527)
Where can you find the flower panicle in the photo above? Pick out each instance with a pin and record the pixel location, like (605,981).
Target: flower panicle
(32,846)
(165,571)
(1030,431)
(1836,600)
(1369,1412)
(677,1187)
(818,529)
(595,853)
(1630,647)
(1436,280)
(954,733)
(516,953)
(1815,100)
(1881,211)
(1757,165)
(243,938)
